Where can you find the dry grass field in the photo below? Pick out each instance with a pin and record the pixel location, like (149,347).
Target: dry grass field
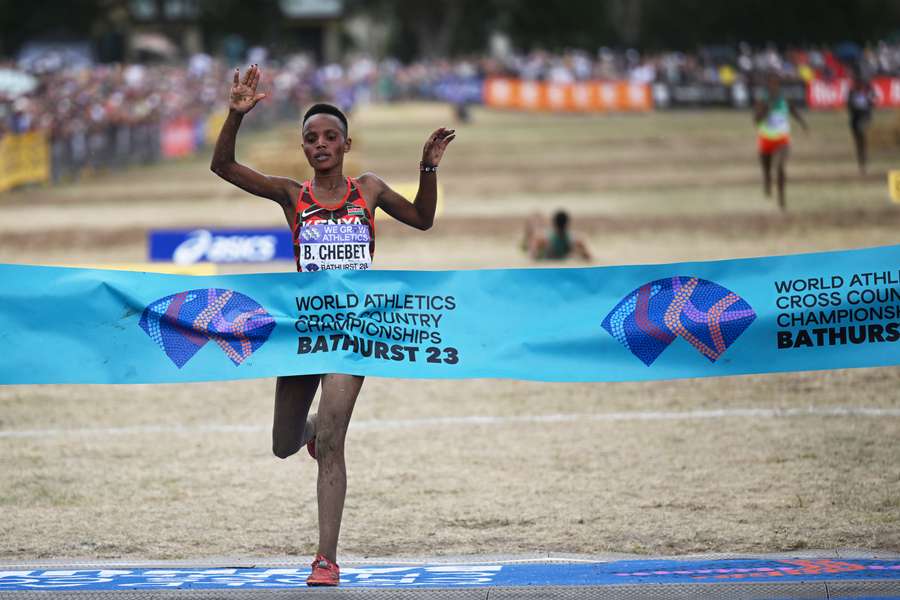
(450,467)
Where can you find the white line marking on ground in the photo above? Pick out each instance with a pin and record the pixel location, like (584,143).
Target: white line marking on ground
(382,424)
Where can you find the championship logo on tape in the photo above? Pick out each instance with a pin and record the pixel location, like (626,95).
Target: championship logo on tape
(182,323)
(704,313)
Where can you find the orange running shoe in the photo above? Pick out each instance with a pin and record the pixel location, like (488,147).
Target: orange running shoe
(324,572)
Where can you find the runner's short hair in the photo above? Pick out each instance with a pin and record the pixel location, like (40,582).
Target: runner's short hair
(327,109)
(561,220)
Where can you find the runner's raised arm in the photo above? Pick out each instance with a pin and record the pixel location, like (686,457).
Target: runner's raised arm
(420,212)
(241,101)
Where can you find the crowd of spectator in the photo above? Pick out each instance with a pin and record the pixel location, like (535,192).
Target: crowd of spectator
(77,102)
(715,64)
(70,101)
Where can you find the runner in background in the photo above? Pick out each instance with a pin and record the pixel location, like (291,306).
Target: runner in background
(860,102)
(544,241)
(771,114)
(328,198)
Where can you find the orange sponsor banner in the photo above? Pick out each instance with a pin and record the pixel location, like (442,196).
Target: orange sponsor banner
(583,96)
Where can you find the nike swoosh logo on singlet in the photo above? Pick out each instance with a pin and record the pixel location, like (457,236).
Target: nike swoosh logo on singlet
(307,212)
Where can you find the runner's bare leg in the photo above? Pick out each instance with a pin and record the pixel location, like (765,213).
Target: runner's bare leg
(859,141)
(765,161)
(291,428)
(780,160)
(339,393)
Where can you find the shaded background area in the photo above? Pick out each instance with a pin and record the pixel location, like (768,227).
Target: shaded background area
(410,29)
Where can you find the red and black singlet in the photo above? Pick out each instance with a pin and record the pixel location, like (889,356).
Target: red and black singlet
(337,237)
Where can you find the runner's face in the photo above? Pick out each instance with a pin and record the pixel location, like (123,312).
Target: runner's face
(323,142)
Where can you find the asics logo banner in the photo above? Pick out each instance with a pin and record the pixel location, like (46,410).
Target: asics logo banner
(220,246)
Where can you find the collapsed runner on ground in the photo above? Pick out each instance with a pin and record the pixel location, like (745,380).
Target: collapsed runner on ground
(312,209)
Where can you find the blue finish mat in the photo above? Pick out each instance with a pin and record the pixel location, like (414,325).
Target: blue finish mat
(450,576)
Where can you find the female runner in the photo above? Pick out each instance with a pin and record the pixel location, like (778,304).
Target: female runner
(329,197)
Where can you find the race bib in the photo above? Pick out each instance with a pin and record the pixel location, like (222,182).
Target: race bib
(778,122)
(859,100)
(334,246)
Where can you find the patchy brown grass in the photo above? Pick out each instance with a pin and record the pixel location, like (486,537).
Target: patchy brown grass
(657,188)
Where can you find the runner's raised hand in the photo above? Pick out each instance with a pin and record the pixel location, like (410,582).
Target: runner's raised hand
(436,144)
(243,90)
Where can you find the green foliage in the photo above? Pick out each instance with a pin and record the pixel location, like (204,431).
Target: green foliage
(646,24)
(685,24)
(454,27)
(536,24)
(21,22)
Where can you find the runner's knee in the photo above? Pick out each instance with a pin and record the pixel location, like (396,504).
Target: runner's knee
(329,441)
(283,449)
